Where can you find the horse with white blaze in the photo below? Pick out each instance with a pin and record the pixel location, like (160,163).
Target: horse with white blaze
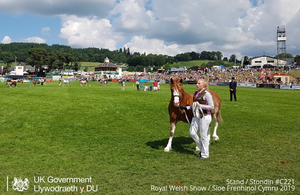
(180,98)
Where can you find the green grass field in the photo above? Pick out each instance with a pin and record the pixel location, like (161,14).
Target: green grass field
(117,138)
(91,65)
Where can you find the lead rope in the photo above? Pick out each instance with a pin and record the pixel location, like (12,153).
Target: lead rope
(186,117)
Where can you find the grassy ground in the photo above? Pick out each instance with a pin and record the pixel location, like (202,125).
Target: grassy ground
(295,73)
(117,138)
(91,65)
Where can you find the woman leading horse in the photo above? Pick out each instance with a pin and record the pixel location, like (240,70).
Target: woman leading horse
(180,98)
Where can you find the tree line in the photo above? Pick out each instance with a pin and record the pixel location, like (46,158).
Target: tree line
(64,57)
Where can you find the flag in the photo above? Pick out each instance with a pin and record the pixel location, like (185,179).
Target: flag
(261,73)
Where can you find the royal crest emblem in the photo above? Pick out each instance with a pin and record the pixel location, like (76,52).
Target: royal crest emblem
(20,184)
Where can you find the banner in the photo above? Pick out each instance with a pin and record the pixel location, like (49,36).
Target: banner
(242,63)
(173,69)
(262,72)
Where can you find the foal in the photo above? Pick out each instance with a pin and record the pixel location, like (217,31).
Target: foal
(180,98)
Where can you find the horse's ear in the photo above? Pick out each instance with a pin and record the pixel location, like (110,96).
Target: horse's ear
(171,80)
(180,80)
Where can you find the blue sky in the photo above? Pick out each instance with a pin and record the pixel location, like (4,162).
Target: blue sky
(21,27)
(243,27)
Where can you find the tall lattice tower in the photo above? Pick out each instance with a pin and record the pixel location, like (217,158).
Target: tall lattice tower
(281,39)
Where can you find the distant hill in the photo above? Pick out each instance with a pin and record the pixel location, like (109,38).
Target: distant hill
(201,63)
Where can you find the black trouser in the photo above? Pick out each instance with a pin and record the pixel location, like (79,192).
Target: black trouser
(234,94)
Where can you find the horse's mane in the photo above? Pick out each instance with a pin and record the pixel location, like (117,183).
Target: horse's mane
(177,83)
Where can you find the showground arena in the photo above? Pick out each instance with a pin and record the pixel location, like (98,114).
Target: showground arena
(117,139)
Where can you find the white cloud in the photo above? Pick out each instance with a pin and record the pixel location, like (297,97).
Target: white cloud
(89,32)
(156,26)
(58,7)
(156,46)
(132,15)
(34,40)
(45,30)
(6,40)
(196,22)
(232,27)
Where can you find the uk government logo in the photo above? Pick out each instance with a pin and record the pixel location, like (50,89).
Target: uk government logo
(41,184)
(20,185)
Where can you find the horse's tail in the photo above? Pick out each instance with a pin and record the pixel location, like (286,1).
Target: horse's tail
(219,117)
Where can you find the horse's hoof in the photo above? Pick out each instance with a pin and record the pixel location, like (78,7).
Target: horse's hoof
(216,139)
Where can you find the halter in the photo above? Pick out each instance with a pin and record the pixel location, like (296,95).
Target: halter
(176,96)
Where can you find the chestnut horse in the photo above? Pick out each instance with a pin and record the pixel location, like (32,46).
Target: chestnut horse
(34,82)
(11,83)
(180,97)
(83,81)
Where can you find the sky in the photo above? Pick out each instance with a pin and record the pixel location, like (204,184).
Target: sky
(168,27)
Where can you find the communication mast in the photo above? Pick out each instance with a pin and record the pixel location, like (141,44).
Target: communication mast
(281,39)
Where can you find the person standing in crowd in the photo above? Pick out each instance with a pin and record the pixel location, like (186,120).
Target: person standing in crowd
(232,87)
(137,85)
(123,85)
(202,106)
(42,81)
(155,86)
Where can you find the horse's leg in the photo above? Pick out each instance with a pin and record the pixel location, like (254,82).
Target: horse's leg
(172,131)
(215,136)
(208,133)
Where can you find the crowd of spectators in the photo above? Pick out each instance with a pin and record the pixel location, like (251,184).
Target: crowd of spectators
(223,75)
